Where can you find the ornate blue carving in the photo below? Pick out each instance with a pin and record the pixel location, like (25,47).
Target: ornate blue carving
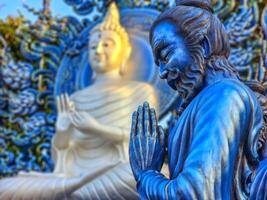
(17,76)
(82,7)
(24,103)
(3,99)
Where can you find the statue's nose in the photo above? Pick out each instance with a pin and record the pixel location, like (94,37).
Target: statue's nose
(99,48)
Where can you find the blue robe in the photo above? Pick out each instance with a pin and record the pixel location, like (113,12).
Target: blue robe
(212,149)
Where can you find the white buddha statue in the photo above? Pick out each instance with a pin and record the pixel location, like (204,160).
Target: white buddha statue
(90,147)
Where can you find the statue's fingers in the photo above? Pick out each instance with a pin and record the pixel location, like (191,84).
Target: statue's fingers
(133,144)
(132,152)
(146,119)
(139,138)
(134,148)
(59,109)
(67,100)
(137,153)
(134,124)
(140,121)
(132,155)
(68,97)
(141,152)
(66,103)
(71,104)
(161,136)
(147,131)
(153,122)
(62,103)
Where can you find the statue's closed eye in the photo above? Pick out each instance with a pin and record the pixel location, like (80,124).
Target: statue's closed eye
(163,60)
(161,51)
(165,54)
(107,42)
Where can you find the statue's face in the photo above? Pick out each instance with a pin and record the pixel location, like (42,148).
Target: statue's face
(171,53)
(105,51)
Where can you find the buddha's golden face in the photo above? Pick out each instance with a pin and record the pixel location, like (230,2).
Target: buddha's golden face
(105,51)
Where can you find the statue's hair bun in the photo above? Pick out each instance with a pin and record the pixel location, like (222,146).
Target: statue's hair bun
(204,4)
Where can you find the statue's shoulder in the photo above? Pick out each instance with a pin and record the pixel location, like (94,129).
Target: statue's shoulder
(226,97)
(232,86)
(107,87)
(229,89)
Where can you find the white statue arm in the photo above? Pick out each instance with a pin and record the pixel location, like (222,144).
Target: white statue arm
(63,124)
(85,122)
(68,117)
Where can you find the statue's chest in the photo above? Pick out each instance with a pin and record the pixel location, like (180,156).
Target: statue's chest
(97,100)
(112,105)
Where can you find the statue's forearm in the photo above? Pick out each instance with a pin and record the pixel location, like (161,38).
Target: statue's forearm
(115,134)
(31,185)
(153,185)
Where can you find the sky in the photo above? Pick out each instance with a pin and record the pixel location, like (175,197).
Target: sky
(11,7)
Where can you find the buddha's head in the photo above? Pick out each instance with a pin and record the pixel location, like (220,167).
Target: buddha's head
(109,46)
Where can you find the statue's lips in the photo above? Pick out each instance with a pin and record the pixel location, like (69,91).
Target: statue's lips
(171,75)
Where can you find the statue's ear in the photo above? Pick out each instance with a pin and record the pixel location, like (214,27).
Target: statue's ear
(128,52)
(126,56)
(206,47)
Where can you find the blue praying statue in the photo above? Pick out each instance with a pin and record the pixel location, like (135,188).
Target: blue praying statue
(214,147)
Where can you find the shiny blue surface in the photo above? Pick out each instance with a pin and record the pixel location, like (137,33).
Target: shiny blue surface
(204,146)
(213,146)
